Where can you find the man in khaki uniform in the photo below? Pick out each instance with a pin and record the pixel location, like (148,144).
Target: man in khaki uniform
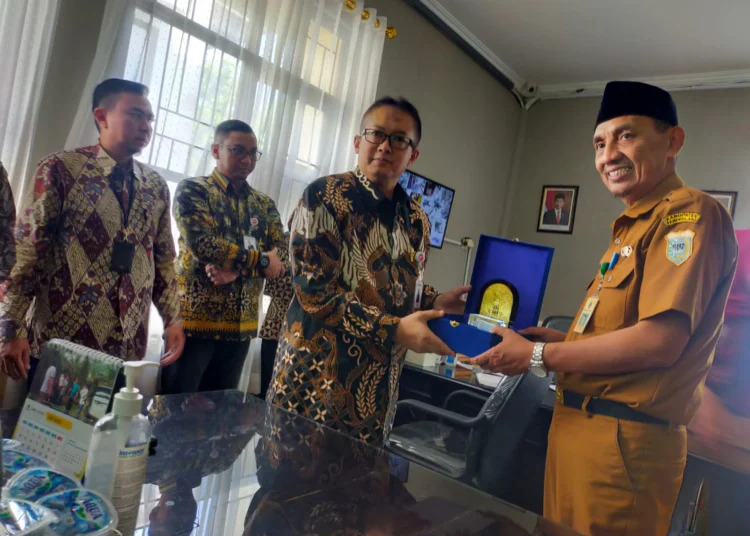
(632,368)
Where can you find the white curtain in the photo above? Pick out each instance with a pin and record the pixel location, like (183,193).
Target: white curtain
(26,32)
(300,72)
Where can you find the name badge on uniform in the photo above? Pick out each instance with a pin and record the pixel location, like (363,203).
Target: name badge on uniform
(586,314)
(250,243)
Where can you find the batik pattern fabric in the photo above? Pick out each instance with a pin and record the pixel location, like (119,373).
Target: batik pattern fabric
(356,257)
(62,285)
(229,228)
(280,291)
(7,225)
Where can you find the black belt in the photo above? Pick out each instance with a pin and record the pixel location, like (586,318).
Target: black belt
(608,408)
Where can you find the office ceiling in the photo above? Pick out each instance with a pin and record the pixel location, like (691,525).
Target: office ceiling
(572,47)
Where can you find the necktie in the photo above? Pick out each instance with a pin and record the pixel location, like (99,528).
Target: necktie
(558,216)
(121,188)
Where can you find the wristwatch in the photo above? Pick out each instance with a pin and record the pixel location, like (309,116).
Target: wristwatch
(264,262)
(536,367)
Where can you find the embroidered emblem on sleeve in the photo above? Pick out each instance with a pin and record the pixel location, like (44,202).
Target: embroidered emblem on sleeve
(680,246)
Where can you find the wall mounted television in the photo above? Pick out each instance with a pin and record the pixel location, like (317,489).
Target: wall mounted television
(434,198)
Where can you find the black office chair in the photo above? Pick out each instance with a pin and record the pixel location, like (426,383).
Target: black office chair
(477,450)
(560,323)
(685,515)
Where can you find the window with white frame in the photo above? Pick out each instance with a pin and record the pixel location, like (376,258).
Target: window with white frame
(208,60)
(300,72)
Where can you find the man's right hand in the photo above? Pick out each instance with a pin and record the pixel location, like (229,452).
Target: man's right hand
(275,268)
(413,333)
(538,334)
(14,358)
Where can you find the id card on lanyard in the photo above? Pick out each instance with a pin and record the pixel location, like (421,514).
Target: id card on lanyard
(588,309)
(419,287)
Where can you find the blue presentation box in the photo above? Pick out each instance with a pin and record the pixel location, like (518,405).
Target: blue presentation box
(522,267)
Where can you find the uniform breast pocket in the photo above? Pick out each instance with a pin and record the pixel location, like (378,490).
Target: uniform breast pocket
(611,311)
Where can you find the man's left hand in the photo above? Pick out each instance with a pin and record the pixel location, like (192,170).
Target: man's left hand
(218,276)
(452,302)
(175,344)
(511,357)
(276,267)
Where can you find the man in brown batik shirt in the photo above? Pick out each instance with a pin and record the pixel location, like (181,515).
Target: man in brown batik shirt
(358,250)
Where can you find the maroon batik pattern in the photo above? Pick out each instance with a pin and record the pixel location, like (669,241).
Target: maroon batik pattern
(62,285)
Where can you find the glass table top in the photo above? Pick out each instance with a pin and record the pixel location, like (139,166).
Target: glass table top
(484,381)
(227,464)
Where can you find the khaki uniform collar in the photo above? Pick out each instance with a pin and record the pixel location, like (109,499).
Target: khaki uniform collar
(646,203)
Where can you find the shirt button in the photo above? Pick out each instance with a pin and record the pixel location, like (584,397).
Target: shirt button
(617,241)
(609,279)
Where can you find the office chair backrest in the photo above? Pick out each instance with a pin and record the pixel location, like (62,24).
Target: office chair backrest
(506,432)
(492,407)
(560,323)
(499,397)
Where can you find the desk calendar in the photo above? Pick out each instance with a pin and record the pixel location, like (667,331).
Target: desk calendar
(69,393)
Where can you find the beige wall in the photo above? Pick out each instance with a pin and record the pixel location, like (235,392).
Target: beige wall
(557,150)
(469,123)
(73,49)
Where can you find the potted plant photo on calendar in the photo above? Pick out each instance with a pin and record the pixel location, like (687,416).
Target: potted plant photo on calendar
(70,391)
(557,209)
(74,384)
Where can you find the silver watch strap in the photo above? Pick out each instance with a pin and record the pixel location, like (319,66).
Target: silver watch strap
(538,353)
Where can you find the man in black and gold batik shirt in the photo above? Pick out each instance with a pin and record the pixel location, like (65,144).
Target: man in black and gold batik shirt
(229,235)
(358,250)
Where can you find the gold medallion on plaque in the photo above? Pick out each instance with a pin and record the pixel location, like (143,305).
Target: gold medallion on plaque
(498,302)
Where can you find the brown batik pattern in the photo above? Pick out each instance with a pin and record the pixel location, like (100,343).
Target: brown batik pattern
(354,278)
(280,291)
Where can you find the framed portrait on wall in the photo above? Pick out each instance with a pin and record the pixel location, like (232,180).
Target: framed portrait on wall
(728,199)
(557,209)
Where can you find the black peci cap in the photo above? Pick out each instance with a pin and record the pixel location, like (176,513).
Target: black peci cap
(636,98)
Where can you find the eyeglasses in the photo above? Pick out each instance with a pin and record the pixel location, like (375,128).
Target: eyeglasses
(241,152)
(397,140)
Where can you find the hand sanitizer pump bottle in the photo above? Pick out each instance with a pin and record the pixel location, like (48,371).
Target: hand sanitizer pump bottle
(118,453)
